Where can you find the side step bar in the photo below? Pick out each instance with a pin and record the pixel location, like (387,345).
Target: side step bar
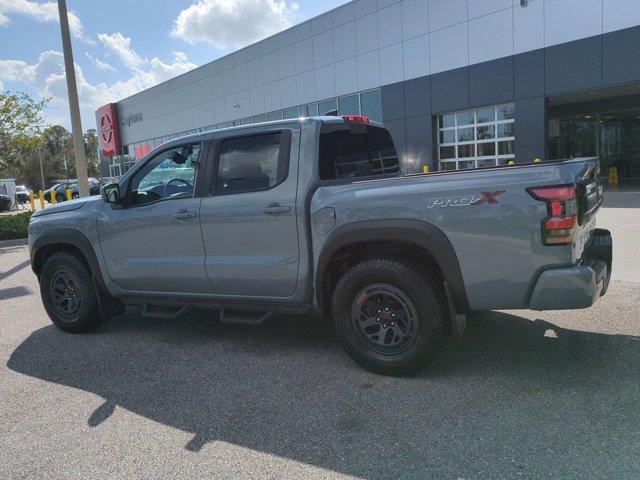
(239,317)
(164,311)
(247,317)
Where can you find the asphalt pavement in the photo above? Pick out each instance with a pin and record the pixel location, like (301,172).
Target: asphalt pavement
(524,395)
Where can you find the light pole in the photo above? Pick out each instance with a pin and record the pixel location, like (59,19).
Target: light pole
(74,107)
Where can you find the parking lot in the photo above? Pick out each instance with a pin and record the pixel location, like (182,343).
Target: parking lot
(524,395)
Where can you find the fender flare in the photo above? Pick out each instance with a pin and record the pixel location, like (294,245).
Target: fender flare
(75,239)
(422,234)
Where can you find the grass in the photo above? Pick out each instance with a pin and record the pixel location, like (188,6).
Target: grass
(14,226)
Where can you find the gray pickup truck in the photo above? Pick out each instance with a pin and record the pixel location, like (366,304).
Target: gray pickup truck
(308,215)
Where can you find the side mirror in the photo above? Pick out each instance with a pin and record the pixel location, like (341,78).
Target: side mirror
(111,194)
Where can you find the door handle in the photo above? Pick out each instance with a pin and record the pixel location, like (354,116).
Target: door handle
(184,215)
(276,209)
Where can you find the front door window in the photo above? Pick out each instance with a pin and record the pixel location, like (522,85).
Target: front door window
(170,175)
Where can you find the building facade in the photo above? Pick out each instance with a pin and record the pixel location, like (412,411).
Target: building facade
(459,83)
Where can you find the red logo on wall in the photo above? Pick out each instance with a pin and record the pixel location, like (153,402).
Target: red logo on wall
(108,136)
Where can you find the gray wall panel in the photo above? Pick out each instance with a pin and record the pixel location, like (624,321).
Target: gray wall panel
(417,96)
(420,141)
(621,56)
(397,128)
(530,128)
(491,82)
(393,102)
(528,74)
(450,90)
(573,66)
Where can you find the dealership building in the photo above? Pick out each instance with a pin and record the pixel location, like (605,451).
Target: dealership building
(459,83)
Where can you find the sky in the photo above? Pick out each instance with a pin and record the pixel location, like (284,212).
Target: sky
(121,47)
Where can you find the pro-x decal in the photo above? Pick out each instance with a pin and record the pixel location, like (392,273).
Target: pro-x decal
(465,200)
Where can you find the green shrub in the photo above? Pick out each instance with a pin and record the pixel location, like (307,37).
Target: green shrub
(14,226)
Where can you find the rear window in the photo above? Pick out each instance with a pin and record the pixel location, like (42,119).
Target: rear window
(352,151)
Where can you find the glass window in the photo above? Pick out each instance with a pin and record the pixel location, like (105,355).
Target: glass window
(486,149)
(252,164)
(309,110)
(506,148)
(371,103)
(487,163)
(486,132)
(260,118)
(465,134)
(506,112)
(356,151)
(447,120)
(491,140)
(446,166)
(465,118)
(169,175)
(486,115)
(447,136)
(274,116)
(505,130)
(291,113)
(465,151)
(447,152)
(466,164)
(349,105)
(328,106)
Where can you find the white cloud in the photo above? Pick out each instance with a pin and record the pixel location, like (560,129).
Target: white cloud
(119,45)
(47,77)
(233,23)
(1,86)
(99,64)
(42,12)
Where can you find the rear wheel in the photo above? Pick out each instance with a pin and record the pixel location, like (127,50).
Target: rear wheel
(68,294)
(388,316)
(60,198)
(75,195)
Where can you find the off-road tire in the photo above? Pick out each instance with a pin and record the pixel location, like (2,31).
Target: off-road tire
(86,316)
(413,284)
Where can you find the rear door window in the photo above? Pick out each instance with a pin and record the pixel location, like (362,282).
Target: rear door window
(252,163)
(352,151)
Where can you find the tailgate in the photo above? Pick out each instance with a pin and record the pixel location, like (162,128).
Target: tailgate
(590,193)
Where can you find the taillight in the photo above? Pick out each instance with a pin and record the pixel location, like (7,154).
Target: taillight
(356,118)
(559,227)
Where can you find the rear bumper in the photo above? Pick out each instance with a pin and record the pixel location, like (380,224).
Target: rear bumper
(579,286)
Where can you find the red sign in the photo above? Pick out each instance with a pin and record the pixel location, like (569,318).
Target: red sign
(108,134)
(142,151)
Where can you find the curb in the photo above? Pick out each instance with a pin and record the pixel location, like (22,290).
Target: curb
(14,243)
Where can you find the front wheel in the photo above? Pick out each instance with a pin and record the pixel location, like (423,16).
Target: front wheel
(388,316)
(68,294)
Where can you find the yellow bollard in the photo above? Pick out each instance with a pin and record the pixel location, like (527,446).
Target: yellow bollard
(53,198)
(41,195)
(69,194)
(613,176)
(511,162)
(537,160)
(32,201)
(425,169)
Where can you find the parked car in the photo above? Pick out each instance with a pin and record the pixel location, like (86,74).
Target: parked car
(308,215)
(48,192)
(61,190)
(5,203)
(22,194)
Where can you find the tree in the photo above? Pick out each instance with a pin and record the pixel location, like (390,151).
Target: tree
(91,152)
(20,122)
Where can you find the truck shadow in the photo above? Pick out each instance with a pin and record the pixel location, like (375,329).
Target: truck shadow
(515,397)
